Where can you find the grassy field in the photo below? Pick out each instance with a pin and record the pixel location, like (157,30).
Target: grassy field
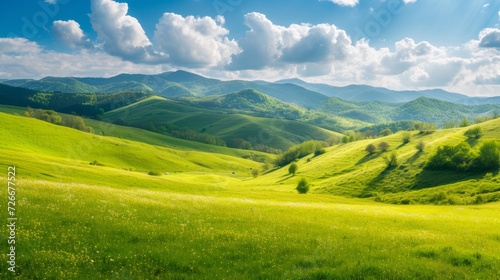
(83,221)
(348,170)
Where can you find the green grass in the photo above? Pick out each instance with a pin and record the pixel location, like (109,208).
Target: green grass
(348,170)
(82,221)
(278,133)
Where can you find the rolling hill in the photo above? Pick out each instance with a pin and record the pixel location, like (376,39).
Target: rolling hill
(348,170)
(272,132)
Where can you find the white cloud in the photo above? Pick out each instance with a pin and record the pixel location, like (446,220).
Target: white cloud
(350,3)
(18,46)
(489,38)
(70,33)
(193,41)
(270,45)
(409,1)
(50,1)
(123,35)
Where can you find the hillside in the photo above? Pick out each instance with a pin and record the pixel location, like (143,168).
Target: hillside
(421,109)
(77,150)
(275,133)
(348,170)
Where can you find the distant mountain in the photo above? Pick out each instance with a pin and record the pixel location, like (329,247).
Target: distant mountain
(421,109)
(369,93)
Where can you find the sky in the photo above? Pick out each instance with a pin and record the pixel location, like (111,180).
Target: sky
(398,44)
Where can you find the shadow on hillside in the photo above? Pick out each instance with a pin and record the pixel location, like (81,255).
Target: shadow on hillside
(414,158)
(367,158)
(434,178)
(286,177)
(373,184)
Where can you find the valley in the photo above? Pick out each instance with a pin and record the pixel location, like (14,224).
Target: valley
(138,198)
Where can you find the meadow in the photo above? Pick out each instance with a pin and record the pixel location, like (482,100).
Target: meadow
(213,220)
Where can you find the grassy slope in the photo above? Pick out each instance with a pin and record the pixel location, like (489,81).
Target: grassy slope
(347,170)
(271,132)
(82,221)
(49,141)
(148,137)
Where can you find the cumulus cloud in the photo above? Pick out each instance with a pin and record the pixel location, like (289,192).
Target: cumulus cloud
(123,35)
(350,3)
(489,38)
(18,46)
(409,1)
(70,33)
(193,41)
(269,45)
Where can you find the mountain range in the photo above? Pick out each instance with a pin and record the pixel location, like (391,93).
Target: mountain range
(184,84)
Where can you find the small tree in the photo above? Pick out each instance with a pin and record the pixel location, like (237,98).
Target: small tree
(255,173)
(386,132)
(302,186)
(406,138)
(464,123)
(293,169)
(475,132)
(392,160)
(371,149)
(383,146)
(420,146)
(489,156)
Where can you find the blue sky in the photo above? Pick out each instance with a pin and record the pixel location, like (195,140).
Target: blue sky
(410,44)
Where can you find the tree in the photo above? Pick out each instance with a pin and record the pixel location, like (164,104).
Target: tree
(489,156)
(464,123)
(474,132)
(293,169)
(302,186)
(392,160)
(420,146)
(383,146)
(406,137)
(255,173)
(371,149)
(386,132)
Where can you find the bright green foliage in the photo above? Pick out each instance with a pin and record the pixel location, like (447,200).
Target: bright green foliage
(474,132)
(489,156)
(302,186)
(458,157)
(420,146)
(391,160)
(406,137)
(293,169)
(300,151)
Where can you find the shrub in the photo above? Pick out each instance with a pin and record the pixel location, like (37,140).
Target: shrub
(489,156)
(475,132)
(371,149)
(255,173)
(293,169)
(386,132)
(392,160)
(420,146)
(302,186)
(154,173)
(383,146)
(458,157)
(300,151)
(319,152)
(406,138)
(464,123)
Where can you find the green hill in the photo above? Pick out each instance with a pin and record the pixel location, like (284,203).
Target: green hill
(83,221)
(421,109)
(348,170)
(77,149)
(276,133)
